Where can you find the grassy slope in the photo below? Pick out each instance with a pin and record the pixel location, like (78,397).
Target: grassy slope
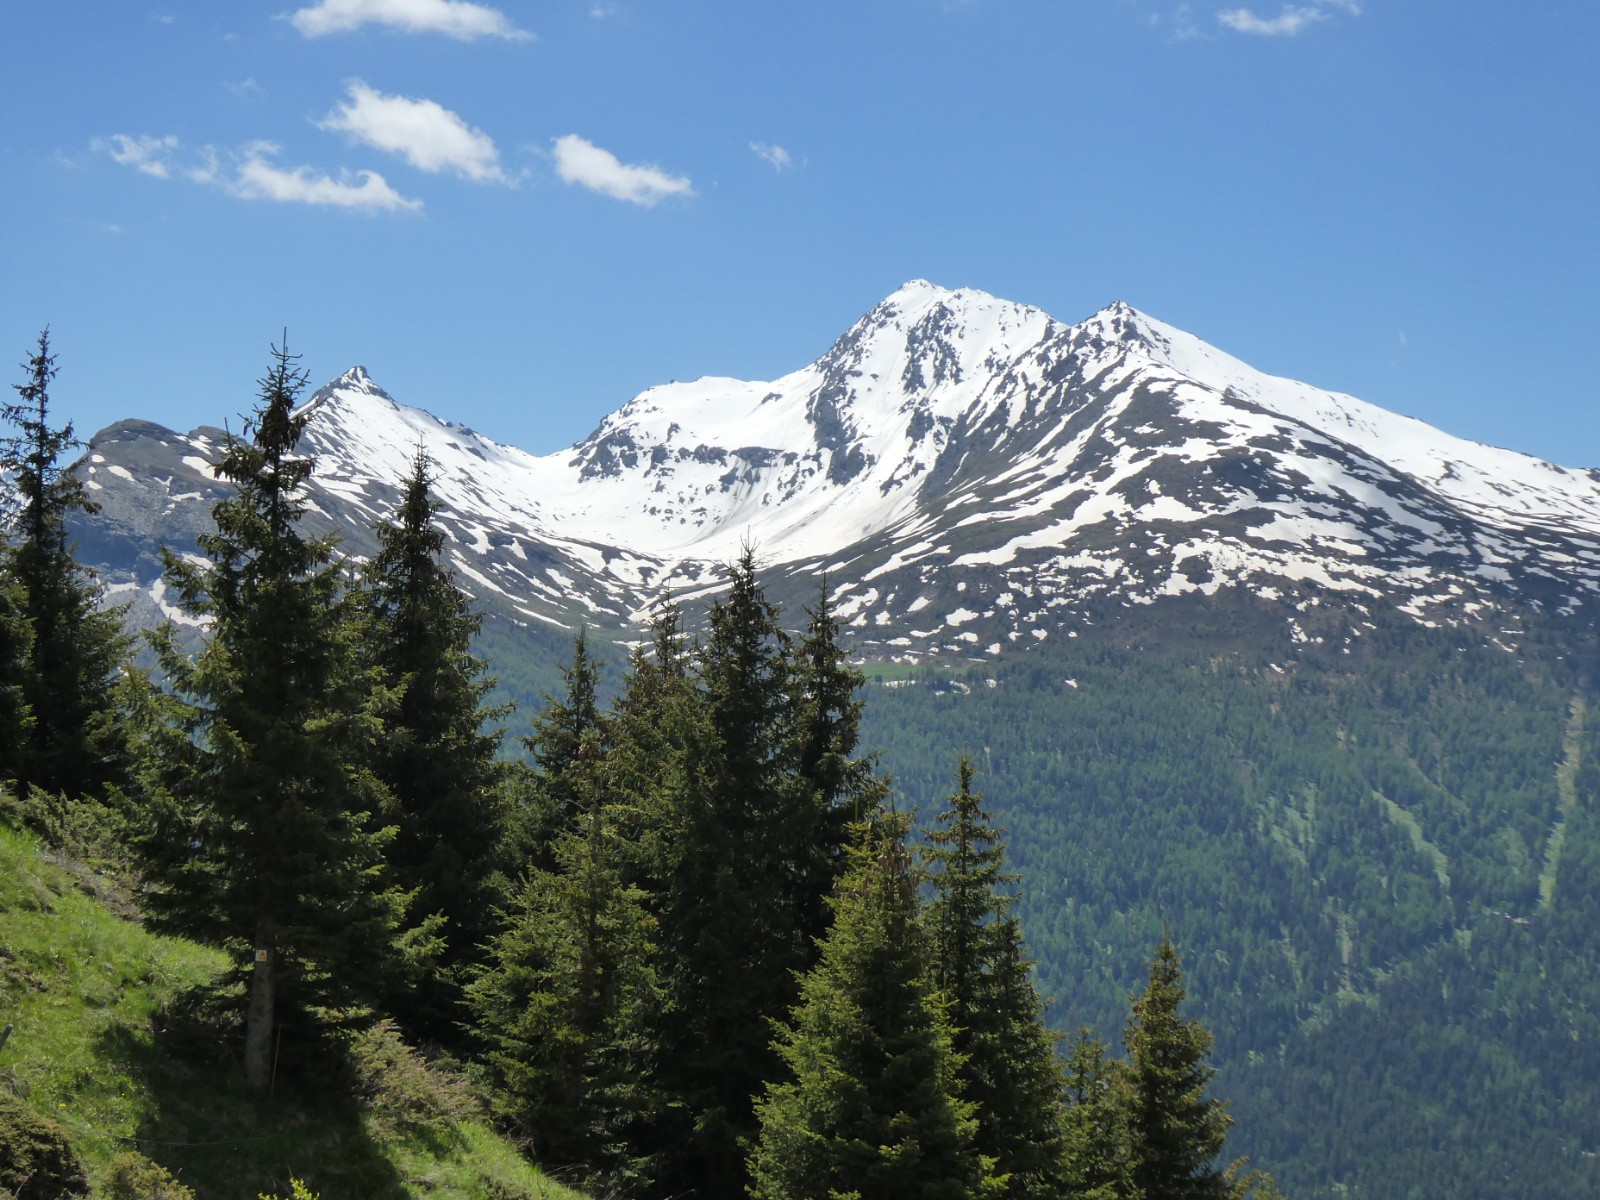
(97,1046)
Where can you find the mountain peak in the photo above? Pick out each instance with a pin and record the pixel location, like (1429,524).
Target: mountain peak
(1121,323)
(352,384)
(919,318)
(916,297)
(913,289)
(356,379)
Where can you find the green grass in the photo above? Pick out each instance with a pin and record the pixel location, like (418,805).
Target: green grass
(883,672)
(112,1039)
(1567,787)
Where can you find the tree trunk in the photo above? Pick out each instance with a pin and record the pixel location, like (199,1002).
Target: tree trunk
(258,1022)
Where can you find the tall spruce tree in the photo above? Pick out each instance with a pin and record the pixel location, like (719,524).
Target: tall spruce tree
(736,882)
(1009,1067)
(1175,1130)
(437,758)
(265,836)
(873,1107)
(72,742)
(655,734)
(567,1000)
(828,729)
(656,766)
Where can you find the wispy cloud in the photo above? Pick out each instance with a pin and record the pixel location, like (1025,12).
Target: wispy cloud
(458,19)
(427,135)
(1178,22)
(152,155)
(1184,27)
(1292,20)
(780,158)
(250,174)
(246,89)
(580,161)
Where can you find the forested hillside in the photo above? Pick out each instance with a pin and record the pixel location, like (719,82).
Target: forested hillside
(1382,868)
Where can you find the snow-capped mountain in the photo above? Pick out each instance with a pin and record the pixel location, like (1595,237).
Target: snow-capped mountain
(968,472)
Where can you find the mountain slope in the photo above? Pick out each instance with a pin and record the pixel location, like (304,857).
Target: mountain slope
(1352,853)
(971,471)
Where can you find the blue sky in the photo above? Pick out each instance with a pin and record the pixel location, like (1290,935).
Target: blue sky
(518,215)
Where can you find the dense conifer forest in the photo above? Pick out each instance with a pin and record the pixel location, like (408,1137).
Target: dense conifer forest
(1380,868)
(689,944)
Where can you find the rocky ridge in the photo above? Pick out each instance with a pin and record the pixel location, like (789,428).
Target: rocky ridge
(969,473)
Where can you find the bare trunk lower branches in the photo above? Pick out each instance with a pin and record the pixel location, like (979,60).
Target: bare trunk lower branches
(258,1023)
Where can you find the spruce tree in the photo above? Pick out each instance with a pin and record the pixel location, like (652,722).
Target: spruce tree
(655,734)
(73,742)
(1009,1065)
(15,639)
(873,1107)
(551,802)
(658,733)
(827,726)
(1176,1132)
(647,729)
(264,829)
(830,705)
(437,758)
(566,1001)
(736,880)
(1096,1135)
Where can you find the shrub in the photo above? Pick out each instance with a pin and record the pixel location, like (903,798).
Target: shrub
(401,1090)
(297,1191)
(134,1177)
(83,827)
(37,1161)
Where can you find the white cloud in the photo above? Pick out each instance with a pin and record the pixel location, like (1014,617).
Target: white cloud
(255,177)
(246,89)
(1286,24)
(427,135)
(152,155)
(252,175)
(453,18)
(776,155)
(1292,20)
(582,162)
